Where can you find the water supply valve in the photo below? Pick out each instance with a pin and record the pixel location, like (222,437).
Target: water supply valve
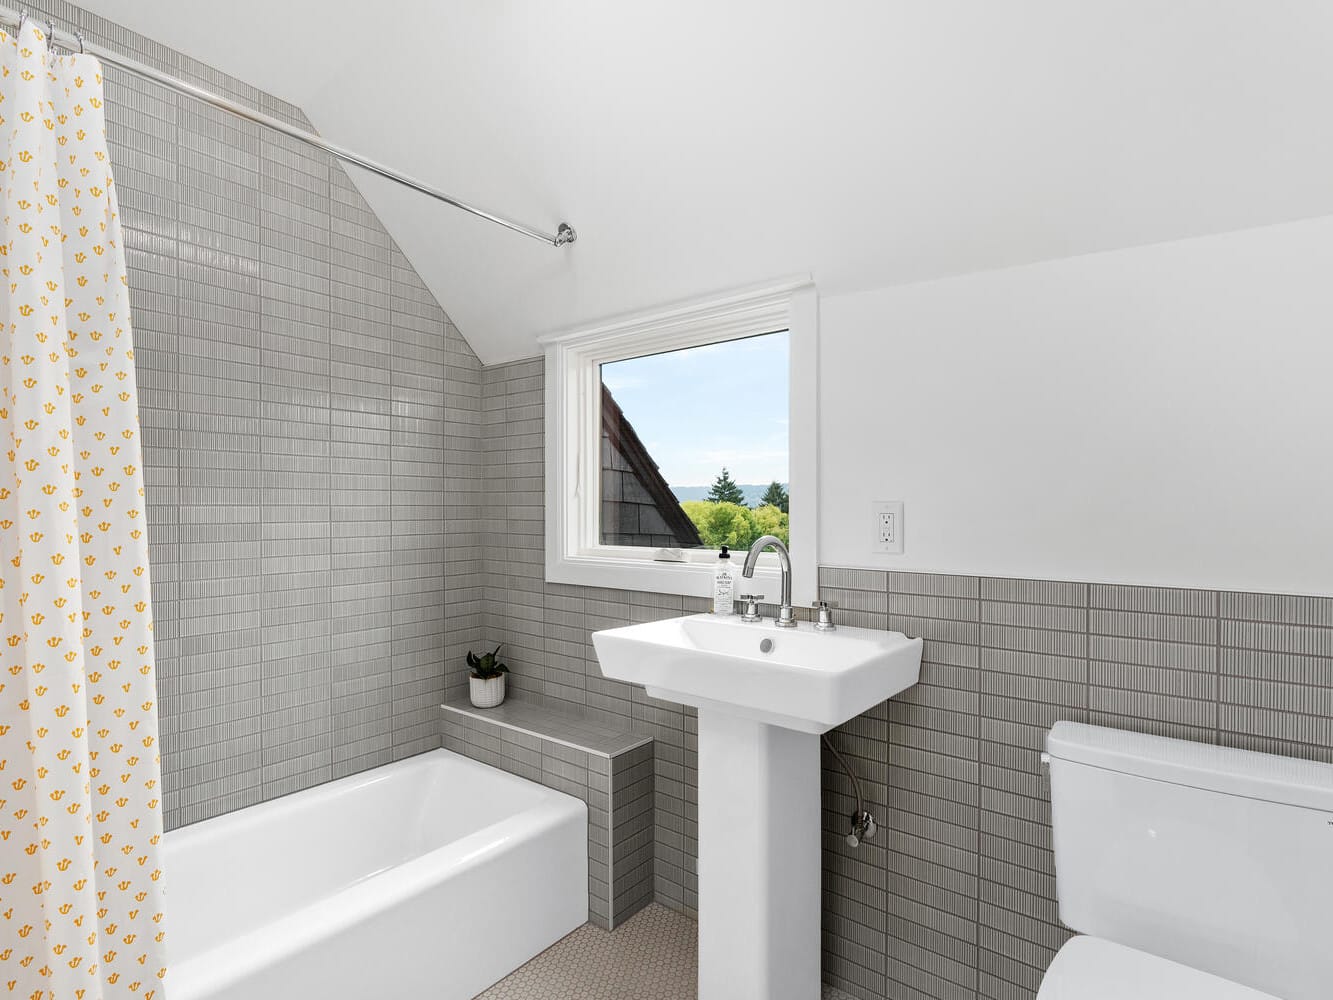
(863,828)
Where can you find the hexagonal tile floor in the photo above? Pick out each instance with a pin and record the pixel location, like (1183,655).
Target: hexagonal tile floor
(652,956)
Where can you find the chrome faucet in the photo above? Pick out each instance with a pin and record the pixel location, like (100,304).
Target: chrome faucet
(786,619)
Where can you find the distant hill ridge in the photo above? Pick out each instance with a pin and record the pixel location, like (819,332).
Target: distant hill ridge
(754,492)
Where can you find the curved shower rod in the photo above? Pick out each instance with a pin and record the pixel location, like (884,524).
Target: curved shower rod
(73,41)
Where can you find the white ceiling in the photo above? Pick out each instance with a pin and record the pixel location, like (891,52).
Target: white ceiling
(701,145)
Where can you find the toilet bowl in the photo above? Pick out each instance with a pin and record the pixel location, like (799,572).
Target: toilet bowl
(1189,871)
(1089,968)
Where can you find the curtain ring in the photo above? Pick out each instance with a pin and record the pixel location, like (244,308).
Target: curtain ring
(50,36)
(80,38)
(23,16)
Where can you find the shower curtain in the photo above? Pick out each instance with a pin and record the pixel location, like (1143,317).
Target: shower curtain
(81,912)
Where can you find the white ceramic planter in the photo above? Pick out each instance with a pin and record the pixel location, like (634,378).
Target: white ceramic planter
(486,692)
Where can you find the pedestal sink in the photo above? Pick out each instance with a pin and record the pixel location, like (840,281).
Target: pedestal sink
(764,695)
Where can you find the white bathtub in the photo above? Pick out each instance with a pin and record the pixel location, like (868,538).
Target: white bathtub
(432,877)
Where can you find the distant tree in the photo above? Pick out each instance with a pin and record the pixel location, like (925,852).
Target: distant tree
(735,526)
(719,524)
(776,496)
(768,520)
(725,490)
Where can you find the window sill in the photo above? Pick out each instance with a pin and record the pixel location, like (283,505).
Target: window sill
(685,579)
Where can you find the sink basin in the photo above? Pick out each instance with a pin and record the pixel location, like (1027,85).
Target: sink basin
(794,678)
(764,695)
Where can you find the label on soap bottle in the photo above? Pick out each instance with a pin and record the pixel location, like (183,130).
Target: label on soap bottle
(724,588)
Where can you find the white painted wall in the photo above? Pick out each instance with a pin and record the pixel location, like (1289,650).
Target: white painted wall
(1158,415)
(700,147)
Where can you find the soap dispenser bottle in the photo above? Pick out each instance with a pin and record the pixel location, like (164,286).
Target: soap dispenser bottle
(724,585)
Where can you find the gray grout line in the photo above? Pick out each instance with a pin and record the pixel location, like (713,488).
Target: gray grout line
(981,821)
(1217,667)
(1087,665)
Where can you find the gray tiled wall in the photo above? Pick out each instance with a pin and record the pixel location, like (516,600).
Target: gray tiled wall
(961,903)
(955,899)
(312,450)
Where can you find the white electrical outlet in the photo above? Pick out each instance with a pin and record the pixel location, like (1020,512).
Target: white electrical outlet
(887,524)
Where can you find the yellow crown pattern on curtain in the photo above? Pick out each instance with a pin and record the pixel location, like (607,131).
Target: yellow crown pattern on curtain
(81,889)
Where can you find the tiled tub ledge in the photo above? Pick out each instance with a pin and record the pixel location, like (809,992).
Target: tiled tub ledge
(554,725)
(607,766)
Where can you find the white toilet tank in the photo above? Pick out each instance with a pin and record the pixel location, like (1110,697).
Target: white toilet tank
(1215,858)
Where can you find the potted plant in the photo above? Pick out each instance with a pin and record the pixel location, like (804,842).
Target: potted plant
(486,684)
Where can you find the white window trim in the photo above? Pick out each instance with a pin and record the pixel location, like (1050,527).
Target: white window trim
(574,554)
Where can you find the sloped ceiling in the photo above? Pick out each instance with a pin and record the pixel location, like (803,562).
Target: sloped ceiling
(700,146)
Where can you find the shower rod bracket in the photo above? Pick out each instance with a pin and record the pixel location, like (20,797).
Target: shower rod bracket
(564,233)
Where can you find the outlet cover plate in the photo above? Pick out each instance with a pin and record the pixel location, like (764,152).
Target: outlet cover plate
(886,522)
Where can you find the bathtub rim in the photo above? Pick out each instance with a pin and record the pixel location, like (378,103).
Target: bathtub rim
(270,810)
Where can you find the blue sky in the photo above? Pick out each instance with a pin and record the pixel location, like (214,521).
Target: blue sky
(699,409)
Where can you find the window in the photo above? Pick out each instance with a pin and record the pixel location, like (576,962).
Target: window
(670,434)
(694,446)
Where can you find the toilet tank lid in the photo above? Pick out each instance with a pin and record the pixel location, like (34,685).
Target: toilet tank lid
(1284,780)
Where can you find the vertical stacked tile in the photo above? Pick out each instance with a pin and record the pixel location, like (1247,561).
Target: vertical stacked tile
(524,552)
(219,361)
(632,834)
(572,615)
(675,732)
(294,449)
(1153,661)
(143,137)
(566,642)
(933,816)
(672,726)
(417,431)
(360,372)
(563,674)
(465,500)
(1034,639)
(524,676)
(855,882)
(512,523)
(1277,674)
(596,791)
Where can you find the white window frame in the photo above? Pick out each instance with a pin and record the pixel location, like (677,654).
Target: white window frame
(574,553)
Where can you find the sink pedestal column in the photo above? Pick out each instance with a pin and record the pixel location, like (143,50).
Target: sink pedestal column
(759,860)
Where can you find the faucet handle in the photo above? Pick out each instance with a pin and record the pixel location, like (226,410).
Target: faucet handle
(825,619)
(751,613)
